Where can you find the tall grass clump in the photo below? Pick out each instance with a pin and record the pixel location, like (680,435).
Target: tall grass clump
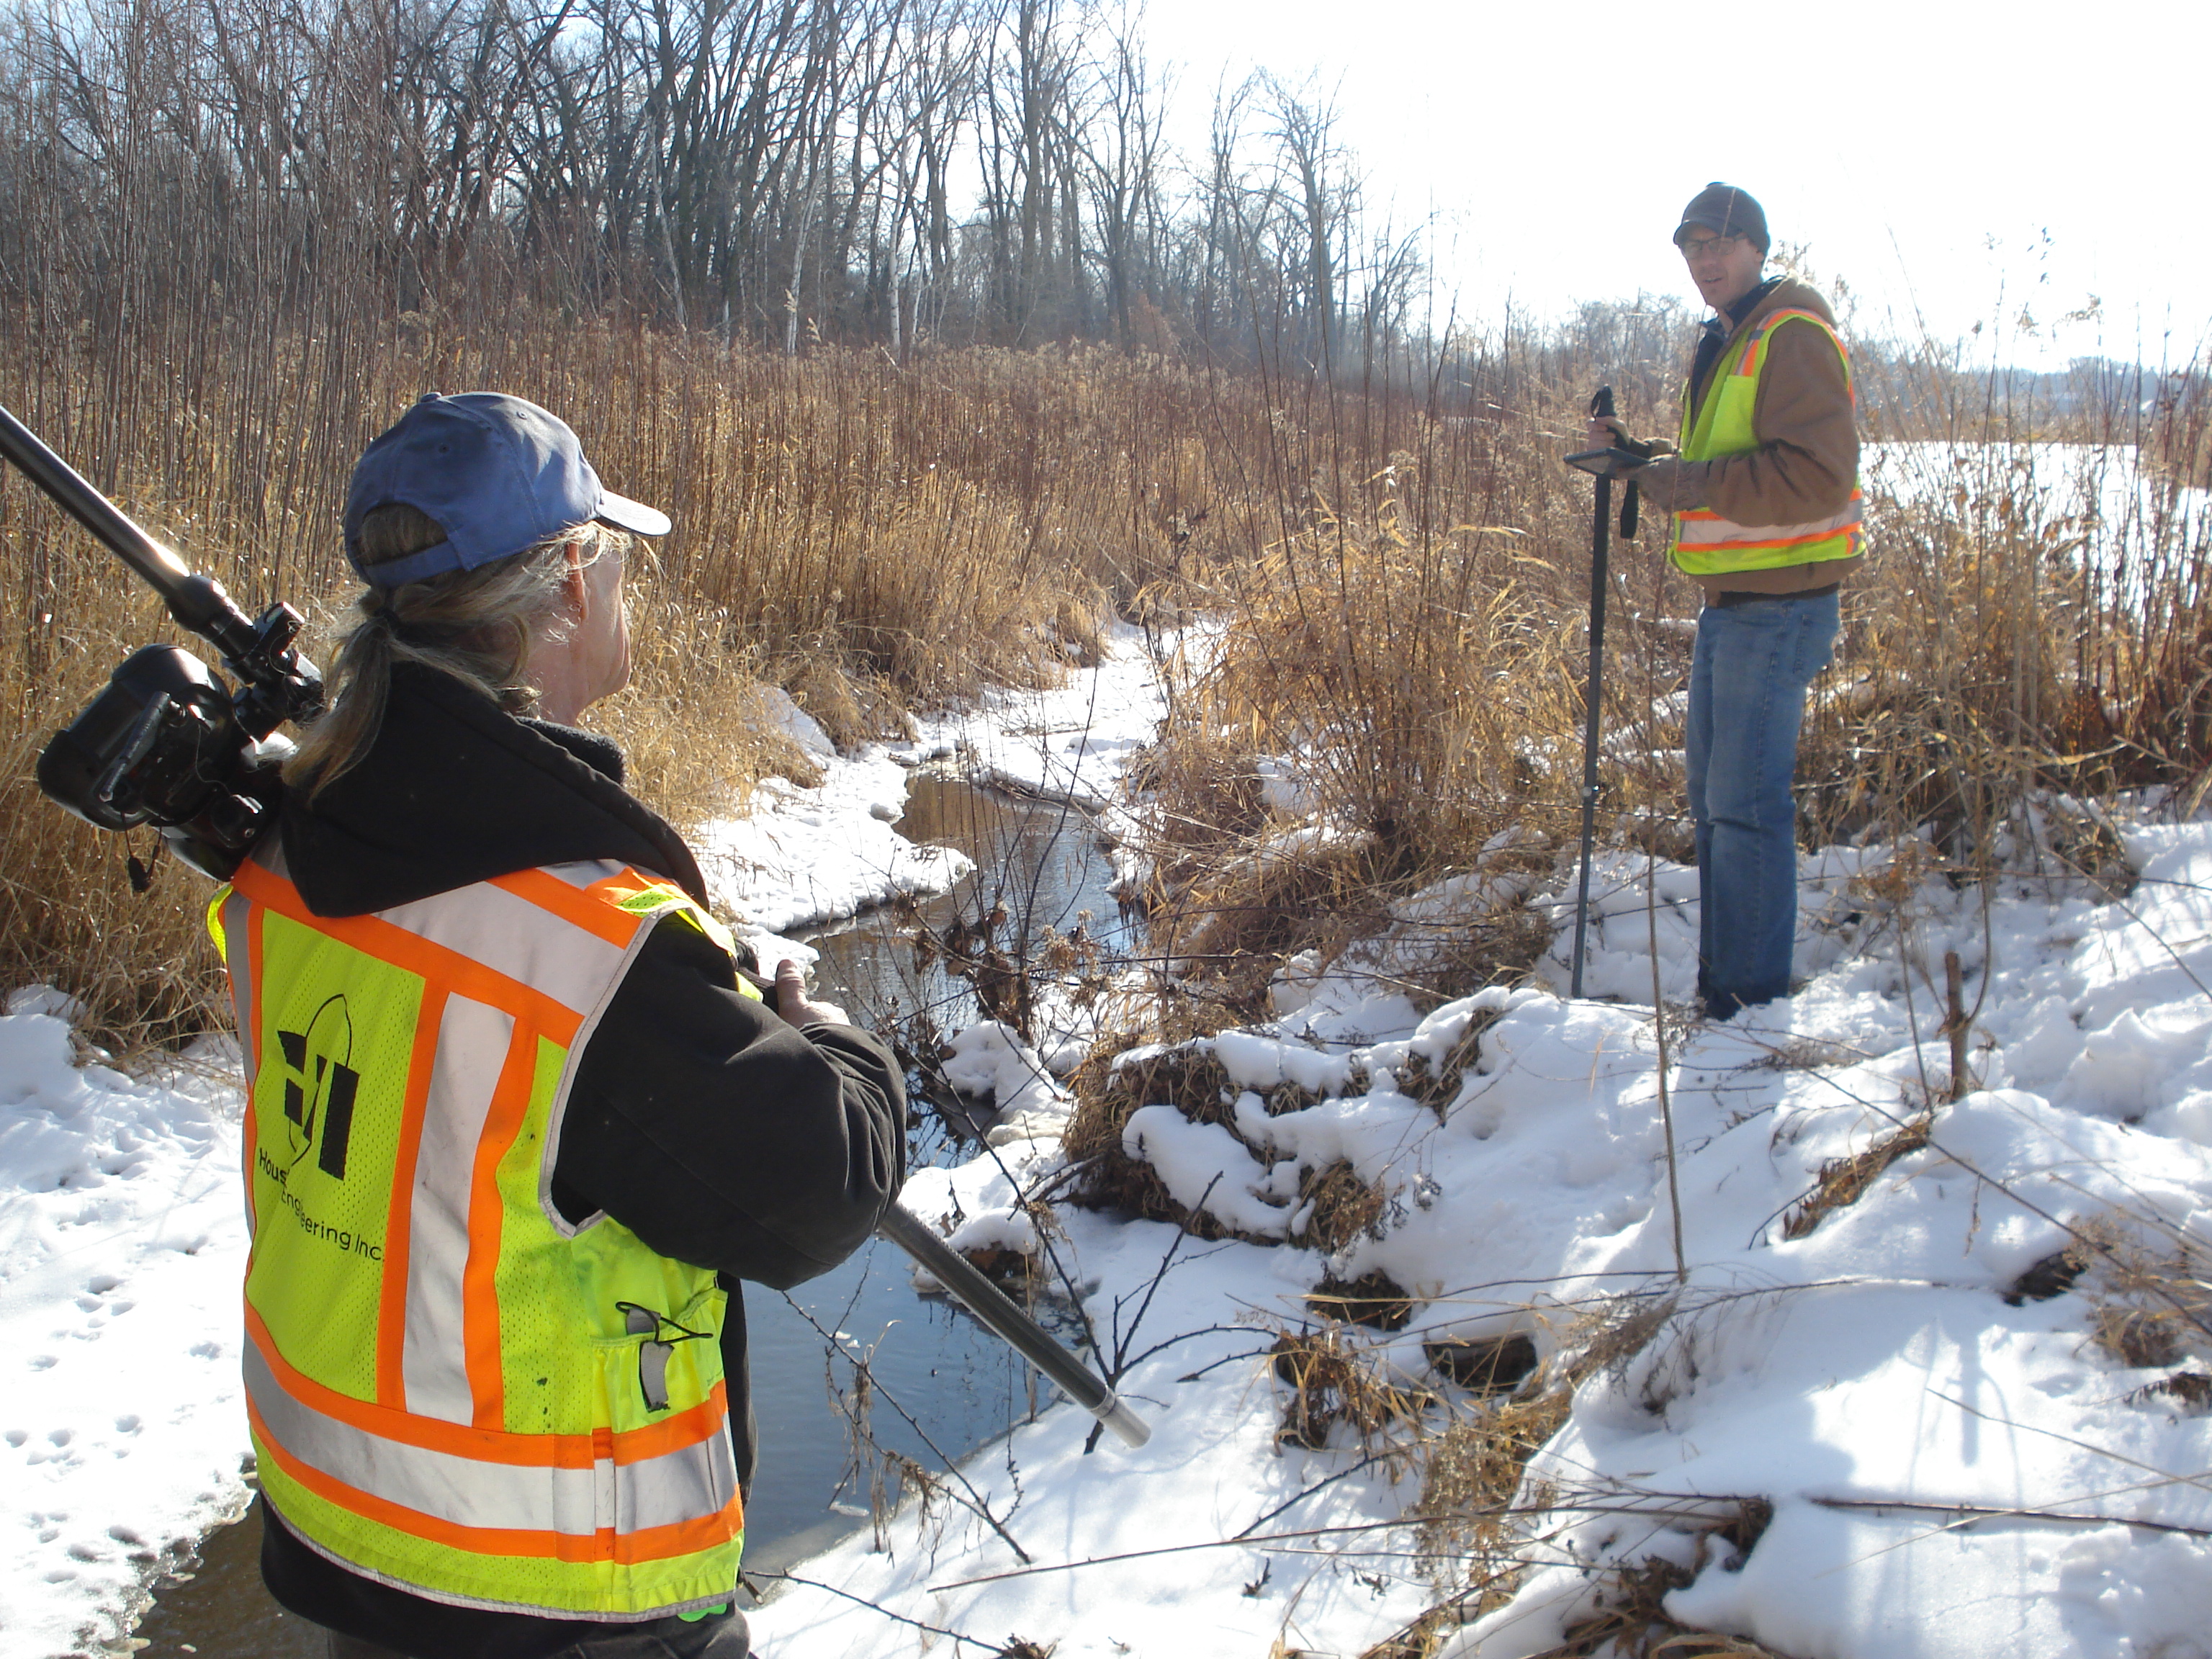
(1406,637)
(2034,614)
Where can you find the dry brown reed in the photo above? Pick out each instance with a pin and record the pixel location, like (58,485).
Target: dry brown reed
(865,535)
(2044,621)
(1402,578)
(1338,1205)
(1413,632)
(1330,1379)
(1630,1620)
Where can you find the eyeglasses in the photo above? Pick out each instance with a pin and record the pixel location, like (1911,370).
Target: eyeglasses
(1697,246)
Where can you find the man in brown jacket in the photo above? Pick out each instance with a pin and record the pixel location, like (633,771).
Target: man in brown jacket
(1764,493)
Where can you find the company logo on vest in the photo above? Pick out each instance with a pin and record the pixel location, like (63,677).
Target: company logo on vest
(320,1085)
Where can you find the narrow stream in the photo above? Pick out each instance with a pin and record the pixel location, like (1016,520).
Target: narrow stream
(942,1385)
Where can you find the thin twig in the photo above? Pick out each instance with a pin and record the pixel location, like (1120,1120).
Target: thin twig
(1238,1542)
(951,1467)
(1366,1462)
(878,1607)
(1973,1512)
(1122,1338)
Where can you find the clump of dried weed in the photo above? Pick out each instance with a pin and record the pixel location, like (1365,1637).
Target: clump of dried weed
(1843,1181)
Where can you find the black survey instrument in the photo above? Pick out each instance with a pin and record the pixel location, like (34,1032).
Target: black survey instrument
(167,742)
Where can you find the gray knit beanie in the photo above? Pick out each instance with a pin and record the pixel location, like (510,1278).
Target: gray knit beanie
(1726,211)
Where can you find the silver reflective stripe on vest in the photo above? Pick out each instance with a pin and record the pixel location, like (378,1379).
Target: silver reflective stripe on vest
(690,1484)
(515,938)
(473,1045)
(238,958)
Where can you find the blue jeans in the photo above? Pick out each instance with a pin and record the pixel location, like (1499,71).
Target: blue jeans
(1754,660)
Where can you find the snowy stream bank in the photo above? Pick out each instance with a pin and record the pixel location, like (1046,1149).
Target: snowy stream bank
(1854,1366)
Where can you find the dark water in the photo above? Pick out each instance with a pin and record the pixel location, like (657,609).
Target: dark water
(928,1361)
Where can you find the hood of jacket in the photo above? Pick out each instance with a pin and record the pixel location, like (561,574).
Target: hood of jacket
(1788,294)
(454,791)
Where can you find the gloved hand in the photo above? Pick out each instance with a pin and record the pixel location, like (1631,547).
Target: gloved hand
(1607,433)
(1677,485)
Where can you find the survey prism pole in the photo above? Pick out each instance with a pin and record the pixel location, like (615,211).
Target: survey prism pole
(1600,531)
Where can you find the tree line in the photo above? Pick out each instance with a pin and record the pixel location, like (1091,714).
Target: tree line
(872,171)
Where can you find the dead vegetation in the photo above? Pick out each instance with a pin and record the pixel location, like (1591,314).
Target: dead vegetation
(1471,1477)
(2147,1283)
(1630,1620)
(1484,1366)
(2192,1390)
(1329,1381)
(1436,1084)
(1482,1520)
(1231,921)
(1498,947)
(1109,1089)
(1374,1299)
(1339,1207)
(1843,1180)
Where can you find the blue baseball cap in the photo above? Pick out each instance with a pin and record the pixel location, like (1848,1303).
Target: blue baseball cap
(499,473)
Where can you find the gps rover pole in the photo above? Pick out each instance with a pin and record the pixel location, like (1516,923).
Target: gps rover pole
(1607,463)
(1601,409)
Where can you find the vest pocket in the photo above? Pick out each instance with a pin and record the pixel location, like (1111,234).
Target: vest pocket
(699,1320)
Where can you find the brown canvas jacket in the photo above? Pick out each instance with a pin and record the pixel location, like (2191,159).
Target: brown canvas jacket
(1807,460)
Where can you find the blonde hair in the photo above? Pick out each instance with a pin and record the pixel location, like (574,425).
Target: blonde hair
(476,625)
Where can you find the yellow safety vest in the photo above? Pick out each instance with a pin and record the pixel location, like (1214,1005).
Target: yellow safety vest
(452,1388)
(1707,545)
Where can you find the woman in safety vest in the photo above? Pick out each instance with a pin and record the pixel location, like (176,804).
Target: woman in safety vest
(516,1122)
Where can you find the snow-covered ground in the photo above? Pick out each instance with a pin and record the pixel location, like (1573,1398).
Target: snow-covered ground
(122,1245)
(1845,1388)
(1866,1378)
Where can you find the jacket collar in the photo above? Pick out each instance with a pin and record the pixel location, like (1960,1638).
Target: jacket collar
(454,791)
(1777,293)
(1722,328)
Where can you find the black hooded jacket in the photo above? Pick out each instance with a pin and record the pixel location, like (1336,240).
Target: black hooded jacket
(716,1132)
